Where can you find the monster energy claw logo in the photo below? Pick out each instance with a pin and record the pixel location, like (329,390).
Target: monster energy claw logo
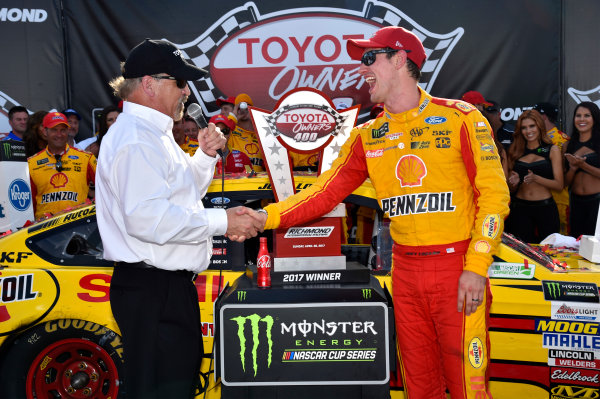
(7,150)
(553,289)
(366,293)
(241,295)
(254,320)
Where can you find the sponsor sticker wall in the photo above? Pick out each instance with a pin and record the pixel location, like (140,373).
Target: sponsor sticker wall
(572,338)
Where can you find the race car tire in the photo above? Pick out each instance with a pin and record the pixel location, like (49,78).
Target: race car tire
(65,359)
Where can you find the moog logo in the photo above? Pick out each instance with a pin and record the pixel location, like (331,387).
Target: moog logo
(19,194)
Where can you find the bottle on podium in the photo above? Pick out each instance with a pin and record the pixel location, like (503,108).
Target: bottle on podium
(263,265)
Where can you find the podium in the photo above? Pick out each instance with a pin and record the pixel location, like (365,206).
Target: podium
(301,341)
(16,202)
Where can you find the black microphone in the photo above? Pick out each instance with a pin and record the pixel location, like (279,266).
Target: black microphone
(195,112)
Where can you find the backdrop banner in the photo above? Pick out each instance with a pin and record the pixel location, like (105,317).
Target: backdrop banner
(515,52)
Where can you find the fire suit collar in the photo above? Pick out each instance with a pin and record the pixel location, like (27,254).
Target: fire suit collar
(413,113)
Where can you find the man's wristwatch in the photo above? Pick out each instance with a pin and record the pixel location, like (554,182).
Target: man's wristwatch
(262,211)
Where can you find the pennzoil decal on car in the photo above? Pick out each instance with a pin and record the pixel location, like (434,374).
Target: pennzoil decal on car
(26,296)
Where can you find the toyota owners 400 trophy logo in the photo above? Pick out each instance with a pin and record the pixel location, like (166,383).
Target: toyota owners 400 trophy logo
(268,55)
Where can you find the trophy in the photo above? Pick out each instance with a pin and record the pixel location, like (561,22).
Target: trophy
(304,121)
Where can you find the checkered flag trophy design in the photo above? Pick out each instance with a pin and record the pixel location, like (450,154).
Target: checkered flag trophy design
(589,95)
(201,50)
(6,103)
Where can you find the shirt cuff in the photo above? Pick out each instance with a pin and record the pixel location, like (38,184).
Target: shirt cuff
(217,217)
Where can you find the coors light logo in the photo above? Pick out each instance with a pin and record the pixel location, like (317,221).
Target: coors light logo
(268,55)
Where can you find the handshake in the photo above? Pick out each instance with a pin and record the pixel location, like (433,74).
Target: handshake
(243,223)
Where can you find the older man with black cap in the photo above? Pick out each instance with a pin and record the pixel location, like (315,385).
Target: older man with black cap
(437,175)
(153,225)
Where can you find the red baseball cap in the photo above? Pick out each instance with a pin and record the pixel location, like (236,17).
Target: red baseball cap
(475,98)
(228,100)
(224,120)
(393,37)
(54,118)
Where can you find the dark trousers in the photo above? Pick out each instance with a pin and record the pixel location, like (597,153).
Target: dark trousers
(159,318)
(583,214)
(532,221)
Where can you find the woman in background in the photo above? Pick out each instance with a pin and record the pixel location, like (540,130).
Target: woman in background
(35,136)
(535,168)
(583,169)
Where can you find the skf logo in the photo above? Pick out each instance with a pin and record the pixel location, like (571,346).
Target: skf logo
(366,293)
(13,257)
(411,170)
(476,353)
(256,322)
(241,296)
(573,392)
(491,226)
(442,142)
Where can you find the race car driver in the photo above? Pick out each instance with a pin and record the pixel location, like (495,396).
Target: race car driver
(60,175)
(438,177)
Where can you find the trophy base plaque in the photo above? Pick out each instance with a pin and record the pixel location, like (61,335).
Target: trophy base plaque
(311,263)
(352,273)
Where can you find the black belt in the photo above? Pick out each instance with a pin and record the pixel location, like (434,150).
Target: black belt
(143,265)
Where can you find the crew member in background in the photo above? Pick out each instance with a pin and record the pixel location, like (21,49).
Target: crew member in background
(17,119)
(60,174)
(549,114)
(153,224)
(235,161)
(190,131)
(441,184)
(73,118)
(243,137)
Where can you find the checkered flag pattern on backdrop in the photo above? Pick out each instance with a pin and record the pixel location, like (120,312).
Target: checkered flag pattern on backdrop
(6,103)
(201,50)
(437,47)
(588,95)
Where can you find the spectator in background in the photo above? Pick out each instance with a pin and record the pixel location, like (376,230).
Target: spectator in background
(549,114)
(35,134)
(106,117)
(475,98)
(178,134)
(243,137)
(190,132)
(235,161)
(535,169)
(226,105)
(60,175)
(583,169)
(503,132)
(73,118)
(17,119)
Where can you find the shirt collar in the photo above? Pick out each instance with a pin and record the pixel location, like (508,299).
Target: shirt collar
(413,113)
(163,122)
(61,154)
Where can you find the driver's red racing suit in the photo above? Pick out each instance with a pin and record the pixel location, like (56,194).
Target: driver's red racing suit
(438,177)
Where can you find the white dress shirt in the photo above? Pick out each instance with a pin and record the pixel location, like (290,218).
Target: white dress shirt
(148,195)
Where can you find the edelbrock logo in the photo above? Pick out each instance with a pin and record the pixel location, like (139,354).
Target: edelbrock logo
(244,52)
(19,194)
(254,320)
(309,232)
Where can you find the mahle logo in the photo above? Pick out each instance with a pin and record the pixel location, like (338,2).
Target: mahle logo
(255,327)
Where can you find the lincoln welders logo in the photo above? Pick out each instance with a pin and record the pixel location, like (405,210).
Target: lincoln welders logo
(245,51)
(256,322)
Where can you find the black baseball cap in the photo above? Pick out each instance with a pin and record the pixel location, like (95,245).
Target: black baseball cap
(152,57)
(548,109)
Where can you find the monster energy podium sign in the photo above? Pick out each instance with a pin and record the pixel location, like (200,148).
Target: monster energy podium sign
(304,344)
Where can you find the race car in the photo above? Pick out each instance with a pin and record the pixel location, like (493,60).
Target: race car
(58,338)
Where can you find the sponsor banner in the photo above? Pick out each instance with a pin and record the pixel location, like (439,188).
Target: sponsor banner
(570,291)
(575,311)
(13,151)
(314,344)
(309,232)
(511,270)
(567,327)
(575,342)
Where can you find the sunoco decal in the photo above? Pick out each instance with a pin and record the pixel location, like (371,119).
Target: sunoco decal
(308,232)
(329,343)
(246,52)
(570,291)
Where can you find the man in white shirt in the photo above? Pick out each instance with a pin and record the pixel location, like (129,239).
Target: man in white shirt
(153,224)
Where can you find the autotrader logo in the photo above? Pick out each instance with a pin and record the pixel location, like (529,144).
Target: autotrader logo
(19,194)
(256,322)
